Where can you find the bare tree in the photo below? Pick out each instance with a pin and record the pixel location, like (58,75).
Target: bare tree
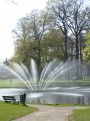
(78,22)
(72,17)
(59,10)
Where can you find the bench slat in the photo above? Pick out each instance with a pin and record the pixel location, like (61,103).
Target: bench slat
(10,99)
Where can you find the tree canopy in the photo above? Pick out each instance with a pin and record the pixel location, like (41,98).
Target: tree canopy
(58,31)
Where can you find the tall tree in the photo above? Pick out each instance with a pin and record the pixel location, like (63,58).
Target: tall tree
(21,36)
(37,27)
(78,21)
(71,16)
(59,10)
(31,30)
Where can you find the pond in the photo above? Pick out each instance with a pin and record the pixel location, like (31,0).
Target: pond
(57,95)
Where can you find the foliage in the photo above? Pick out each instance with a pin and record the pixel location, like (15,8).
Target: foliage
(42,49)
(10,112)
(86,50)
(29,32)
(54,44)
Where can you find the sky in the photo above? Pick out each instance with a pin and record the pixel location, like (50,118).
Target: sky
(10,12)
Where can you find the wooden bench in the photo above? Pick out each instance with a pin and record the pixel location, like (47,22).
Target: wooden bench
(10,99)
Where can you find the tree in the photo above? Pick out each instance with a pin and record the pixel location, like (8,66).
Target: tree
(37,27)
(71,17)
(35,40)
(54,44)
(58,9)
(78,21)
(21,36)
(29,32)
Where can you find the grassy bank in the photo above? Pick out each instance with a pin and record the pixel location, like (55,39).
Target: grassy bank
(67,105)
(10,112)
(62,105)
(80,115)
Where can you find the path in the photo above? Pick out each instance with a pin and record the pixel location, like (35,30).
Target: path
(48,113)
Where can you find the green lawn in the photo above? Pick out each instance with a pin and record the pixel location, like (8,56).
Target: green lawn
(19,84)
(80,115)
(10,112)
(11,84)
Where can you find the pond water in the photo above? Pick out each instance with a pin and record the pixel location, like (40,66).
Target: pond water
(44,88)
(57,95)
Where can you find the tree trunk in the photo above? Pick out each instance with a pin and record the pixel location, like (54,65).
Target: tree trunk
(77,48)
(39,58)
(78,68)
(65,45)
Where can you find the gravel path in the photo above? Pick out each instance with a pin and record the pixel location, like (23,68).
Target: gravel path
(48,113)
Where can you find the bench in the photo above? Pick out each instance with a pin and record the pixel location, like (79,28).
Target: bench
(10,99)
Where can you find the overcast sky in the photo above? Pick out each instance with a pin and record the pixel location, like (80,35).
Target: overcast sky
(10,12)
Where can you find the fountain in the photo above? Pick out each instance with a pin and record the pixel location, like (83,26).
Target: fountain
(44,89)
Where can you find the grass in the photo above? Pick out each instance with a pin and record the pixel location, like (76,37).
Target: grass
(65,105)
(19,84)
(80,115)
(61,105)
(11,84)
(10,112)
